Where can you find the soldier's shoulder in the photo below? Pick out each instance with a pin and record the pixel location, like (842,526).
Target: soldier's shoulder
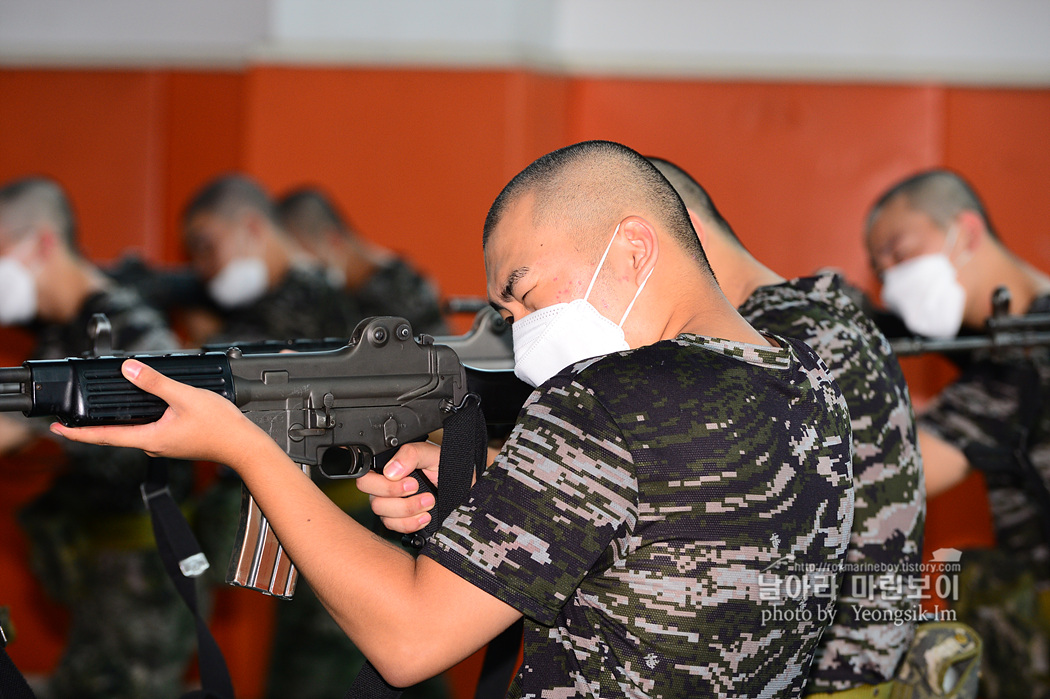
(305,280)
(820,301)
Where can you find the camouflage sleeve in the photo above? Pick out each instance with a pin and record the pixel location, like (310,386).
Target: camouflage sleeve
(560,492)
(981,406)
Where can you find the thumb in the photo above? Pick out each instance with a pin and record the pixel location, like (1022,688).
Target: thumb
(150,380)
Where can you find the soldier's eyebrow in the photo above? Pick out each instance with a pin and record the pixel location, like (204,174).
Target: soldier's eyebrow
(513,278)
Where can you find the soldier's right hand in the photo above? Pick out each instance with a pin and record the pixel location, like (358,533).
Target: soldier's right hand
(395,495)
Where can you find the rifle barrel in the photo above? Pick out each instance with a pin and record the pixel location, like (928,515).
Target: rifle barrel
(911,346)
(15,375)
(11,396)
(10,402)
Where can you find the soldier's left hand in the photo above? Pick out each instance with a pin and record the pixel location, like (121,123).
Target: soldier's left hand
(198,424)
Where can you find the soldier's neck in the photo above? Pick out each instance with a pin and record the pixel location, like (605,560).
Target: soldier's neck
(362,260)
(1024,282)
(739,273)
(70,284)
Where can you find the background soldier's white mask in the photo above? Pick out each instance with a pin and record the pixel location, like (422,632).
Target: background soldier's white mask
(550,339)
(17,292)
(241,281)
(925,292)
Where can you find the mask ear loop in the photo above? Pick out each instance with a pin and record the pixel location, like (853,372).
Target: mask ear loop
(601,262)
(636,295)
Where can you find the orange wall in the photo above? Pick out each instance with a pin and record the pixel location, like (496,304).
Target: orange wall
(416,157)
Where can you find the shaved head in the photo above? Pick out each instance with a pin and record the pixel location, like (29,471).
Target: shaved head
(309,212)
(586,188)
(36,200)
(694,196)
(227,196)
(940,194)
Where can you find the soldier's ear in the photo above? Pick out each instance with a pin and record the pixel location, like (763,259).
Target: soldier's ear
(972,231)
(644,243)
(48,243)
(253,224)
(333,237)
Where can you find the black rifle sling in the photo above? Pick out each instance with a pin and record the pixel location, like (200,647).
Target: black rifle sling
(12,684)
(463,447)
(501,656)
(183,559)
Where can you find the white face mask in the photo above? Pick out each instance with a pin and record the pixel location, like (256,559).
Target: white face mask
(240,282)
(335,276)
(18,295)
(550,339)
(926,294)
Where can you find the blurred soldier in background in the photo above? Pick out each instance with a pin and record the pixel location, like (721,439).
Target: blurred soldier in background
(939,258)
(91,539)
(269,290)
(864,646)
(256,274)
(379,281)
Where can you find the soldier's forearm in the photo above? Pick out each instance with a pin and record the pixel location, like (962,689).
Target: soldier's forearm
(369,587)
(944,465)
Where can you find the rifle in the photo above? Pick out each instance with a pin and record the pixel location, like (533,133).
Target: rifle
(1002,330)
(333,407)
(486,352)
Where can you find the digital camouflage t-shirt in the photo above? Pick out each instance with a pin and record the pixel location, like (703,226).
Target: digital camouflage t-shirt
(639,509)
(875,620)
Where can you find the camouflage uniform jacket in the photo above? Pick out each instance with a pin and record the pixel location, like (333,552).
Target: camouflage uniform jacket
(302,305)
(982,413)
(637,506)
(106,479)
(398,290)
(873,626)
(92,545)
(998,409)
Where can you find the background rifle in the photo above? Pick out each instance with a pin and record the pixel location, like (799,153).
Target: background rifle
(1001,330)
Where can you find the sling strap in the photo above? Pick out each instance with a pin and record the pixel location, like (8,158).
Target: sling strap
(12,684)
(184,561)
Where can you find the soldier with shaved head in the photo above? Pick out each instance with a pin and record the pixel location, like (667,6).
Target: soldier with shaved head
(91,541)
(377,280)
(670,459)
(864,646)
(933,245)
